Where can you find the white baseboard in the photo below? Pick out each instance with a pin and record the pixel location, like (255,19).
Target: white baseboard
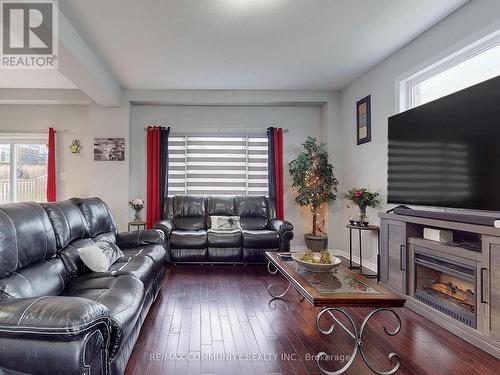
(370,265)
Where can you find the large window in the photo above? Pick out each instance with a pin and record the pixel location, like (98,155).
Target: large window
(471,65)
(23,168)
(214,164)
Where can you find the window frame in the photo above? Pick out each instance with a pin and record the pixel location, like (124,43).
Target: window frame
(464,51)
(14,140)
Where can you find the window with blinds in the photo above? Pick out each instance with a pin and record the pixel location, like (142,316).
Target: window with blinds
(229,164)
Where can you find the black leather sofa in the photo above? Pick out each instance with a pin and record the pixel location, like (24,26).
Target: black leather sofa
(189,239)
(58,317)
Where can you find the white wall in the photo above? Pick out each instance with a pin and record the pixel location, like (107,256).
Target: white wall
(73,118)
(78,174)
(304,112)
(301,122)
(109,180)
(366,165)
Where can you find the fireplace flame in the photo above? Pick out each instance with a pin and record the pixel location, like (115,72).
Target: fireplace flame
(465,296)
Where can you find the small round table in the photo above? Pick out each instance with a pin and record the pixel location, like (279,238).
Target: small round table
(360,228)
(137,224)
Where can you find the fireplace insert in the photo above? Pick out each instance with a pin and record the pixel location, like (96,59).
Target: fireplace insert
(446,286)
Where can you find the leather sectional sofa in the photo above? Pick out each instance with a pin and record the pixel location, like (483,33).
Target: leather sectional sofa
(58,317)
(190,239)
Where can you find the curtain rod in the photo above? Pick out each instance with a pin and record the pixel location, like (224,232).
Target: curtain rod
(222,130)
(32,131)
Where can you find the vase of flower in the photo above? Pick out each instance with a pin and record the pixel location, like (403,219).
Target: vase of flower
(362,198)
(137,205)
(363,219)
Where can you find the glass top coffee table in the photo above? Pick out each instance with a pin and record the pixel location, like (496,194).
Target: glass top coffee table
(333,291)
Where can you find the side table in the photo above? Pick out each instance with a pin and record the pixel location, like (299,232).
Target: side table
(359,228)
(137,224)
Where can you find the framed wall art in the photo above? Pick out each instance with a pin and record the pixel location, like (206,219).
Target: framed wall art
(109,149)
(363,120)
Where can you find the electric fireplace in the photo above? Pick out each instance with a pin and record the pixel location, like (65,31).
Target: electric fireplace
(446,286)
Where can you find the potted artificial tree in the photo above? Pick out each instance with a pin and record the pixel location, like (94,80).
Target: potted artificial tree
(313,179)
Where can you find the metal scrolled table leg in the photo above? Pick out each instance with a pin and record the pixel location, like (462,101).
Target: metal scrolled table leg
(272,272)
(358,340)
(271,289)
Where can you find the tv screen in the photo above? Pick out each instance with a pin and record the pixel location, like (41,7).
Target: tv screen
(447,153)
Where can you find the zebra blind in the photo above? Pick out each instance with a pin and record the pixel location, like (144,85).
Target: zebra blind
(216,164)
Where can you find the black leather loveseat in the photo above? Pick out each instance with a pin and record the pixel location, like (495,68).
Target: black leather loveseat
(189,236)
(58,317)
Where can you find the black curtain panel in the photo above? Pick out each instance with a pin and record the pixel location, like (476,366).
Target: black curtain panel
(270,163)
(164,134)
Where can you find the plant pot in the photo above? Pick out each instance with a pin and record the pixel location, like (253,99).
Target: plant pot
(316,243)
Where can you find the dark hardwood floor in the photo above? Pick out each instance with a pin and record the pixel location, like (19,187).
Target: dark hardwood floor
(224,311)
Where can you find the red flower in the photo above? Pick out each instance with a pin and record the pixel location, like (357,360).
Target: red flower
(358,193)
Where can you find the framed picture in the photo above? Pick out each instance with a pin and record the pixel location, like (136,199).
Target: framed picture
(363,120)
(109,149)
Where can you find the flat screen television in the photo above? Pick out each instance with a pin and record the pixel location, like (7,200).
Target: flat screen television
(446,153)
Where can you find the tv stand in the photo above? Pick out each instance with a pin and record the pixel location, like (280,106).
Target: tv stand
(454,217)
(408,261)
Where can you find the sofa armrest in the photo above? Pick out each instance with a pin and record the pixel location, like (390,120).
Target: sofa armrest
(281,226)
(166,226)
(54,335)
(285,232)
(140,238)
(50,316)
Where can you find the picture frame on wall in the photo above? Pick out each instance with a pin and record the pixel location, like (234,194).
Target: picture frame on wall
(109,149)
(363,120)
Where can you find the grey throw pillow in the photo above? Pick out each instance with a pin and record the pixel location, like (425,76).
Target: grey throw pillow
(100,256)
(225,222)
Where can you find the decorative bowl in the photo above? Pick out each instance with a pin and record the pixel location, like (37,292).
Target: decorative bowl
(316,267)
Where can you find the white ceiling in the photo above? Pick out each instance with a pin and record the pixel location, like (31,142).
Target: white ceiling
(239,44)
(248,44)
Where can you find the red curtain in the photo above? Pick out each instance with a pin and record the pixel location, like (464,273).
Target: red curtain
(278,170)
(51,168)
(153,209)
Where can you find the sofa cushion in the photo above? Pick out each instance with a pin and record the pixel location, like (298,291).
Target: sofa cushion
(97,214)
(139,266)
(253,212)
(260,239)
(156,252)
(190,212)
(123,295)
(106,237)
(26,236)
(196,239)
(68,222)
(44,278)
(221,205)
(224,238)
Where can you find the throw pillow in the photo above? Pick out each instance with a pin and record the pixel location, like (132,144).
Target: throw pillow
(225,222)
(100,256)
